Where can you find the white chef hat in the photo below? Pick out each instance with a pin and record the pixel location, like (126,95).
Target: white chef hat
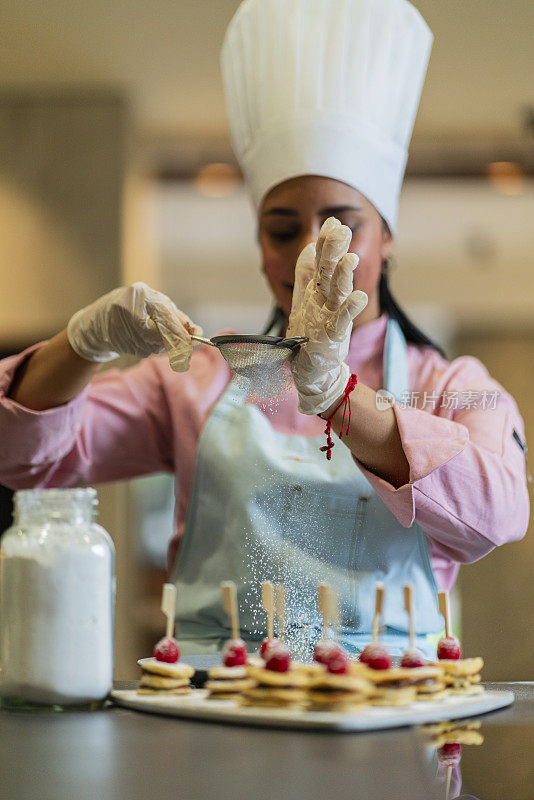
(325,87)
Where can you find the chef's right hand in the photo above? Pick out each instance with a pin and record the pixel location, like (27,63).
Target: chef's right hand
(134,320)
(323,310)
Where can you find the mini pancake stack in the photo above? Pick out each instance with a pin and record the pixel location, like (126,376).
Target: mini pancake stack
(159,677)
(430,684)
(163,674)
(462,676)
(400,686)
(456,732)
(348,691)
(273,689)
(227,683)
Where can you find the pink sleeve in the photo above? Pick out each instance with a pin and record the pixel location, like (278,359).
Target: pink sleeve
(467,487)
(115,429)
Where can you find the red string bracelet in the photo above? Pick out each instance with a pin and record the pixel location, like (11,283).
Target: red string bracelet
(327,448)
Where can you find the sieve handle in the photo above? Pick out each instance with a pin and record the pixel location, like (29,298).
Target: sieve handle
(293,343)
(202,339)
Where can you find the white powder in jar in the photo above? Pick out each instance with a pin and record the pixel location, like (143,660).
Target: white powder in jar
(56,621)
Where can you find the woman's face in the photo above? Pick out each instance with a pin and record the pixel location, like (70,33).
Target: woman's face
(291,216)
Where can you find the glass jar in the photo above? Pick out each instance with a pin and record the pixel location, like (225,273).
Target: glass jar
(57,592)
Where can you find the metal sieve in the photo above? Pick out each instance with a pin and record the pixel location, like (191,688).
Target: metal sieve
(250,356)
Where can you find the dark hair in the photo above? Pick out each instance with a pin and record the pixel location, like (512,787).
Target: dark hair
(275,323)
(388,305)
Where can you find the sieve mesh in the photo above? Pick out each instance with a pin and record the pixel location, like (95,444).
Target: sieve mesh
(248,358)
(259,360)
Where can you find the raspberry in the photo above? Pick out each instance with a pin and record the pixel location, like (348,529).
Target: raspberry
(338,663)
(376,656)
(450,754)
(279,660)
(412,658)
(235,653)
(324,650)
(449,648)
(267,646)
(167,650)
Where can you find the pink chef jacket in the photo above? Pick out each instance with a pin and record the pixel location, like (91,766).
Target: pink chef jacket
(467,487)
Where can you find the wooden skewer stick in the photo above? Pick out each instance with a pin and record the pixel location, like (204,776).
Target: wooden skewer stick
(168,606)
(379,601)
(280,609)
(229,592)
(448,782)
(445,611)
(267,601)
(323,605)
(408,605)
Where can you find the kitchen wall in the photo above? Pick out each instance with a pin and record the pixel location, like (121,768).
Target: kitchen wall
(497,592)
(463,256)
(61,180)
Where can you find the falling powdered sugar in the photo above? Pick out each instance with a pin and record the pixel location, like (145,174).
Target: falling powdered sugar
(265,388)
(298,567)
(261,369)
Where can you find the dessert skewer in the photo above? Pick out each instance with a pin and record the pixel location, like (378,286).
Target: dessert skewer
(163,674)
(375,654)
(448,646)
(227,681)
(447,740)
(278,682)
(327,605)
(412,657)
(449,756)
(267,601)
(461,675)
(235,653)
(167,647)
(333,686)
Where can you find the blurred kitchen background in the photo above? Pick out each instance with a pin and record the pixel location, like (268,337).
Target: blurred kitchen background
(115,166)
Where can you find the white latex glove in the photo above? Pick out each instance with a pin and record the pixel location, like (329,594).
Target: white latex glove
(323,309)
(134,320)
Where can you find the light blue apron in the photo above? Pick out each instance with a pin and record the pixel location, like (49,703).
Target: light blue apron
(268,506)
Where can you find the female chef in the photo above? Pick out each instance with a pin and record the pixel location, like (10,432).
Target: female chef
(321,99)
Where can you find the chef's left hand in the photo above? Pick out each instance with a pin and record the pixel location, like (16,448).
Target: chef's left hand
(323,309)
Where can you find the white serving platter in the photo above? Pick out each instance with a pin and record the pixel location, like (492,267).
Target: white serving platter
(196,706)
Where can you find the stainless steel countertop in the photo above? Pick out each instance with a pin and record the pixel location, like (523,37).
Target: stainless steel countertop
(117,754)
